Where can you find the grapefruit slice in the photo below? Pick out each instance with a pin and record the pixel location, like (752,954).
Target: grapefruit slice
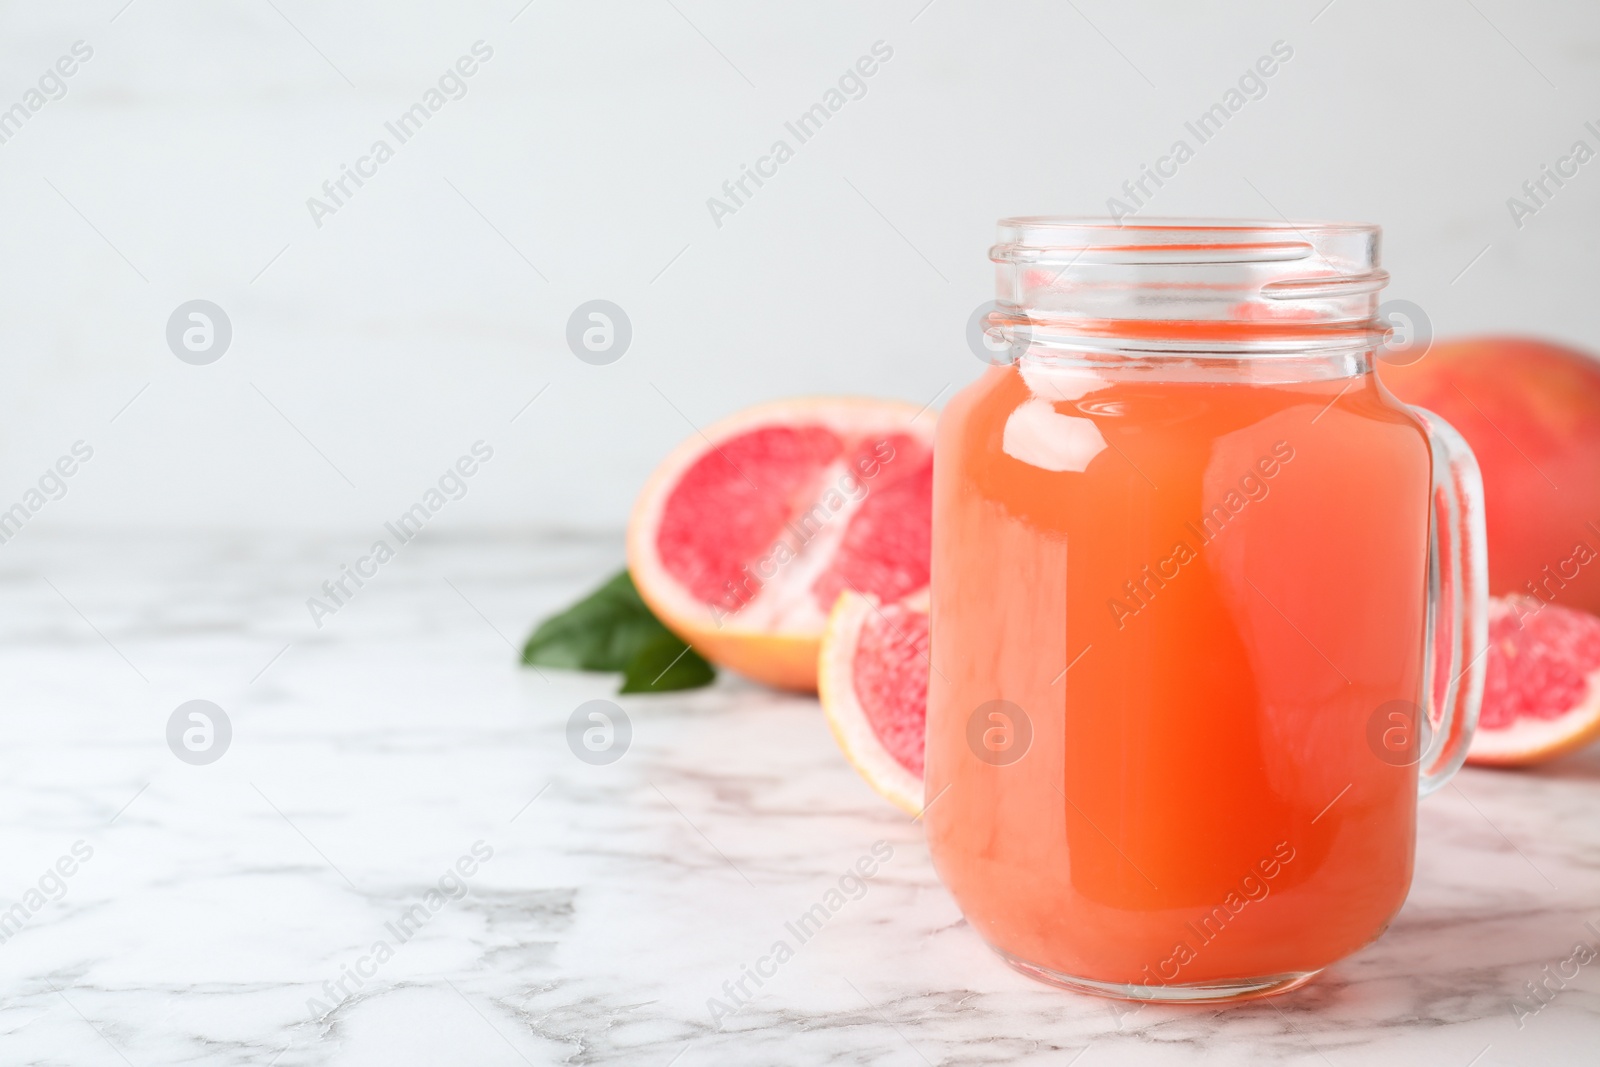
(1541,693)
(872,676)
(747,533)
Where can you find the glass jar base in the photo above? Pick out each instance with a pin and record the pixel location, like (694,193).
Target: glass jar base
(1176,993)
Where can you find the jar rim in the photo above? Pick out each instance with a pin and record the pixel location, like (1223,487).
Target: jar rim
(1047,238)
(1184,222)
(1258,286)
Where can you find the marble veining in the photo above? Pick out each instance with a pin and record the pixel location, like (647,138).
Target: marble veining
(223,905)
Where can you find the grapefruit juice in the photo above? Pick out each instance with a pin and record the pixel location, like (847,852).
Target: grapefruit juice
(1169,612)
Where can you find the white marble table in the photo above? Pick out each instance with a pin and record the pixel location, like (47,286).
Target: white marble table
(372,755)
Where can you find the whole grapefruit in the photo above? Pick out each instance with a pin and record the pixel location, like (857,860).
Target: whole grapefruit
(1531,412)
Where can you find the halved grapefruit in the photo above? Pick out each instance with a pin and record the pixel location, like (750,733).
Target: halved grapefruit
(873,679)
(1541,693)
(745,536)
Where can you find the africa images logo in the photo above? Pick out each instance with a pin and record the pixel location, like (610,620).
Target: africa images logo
(452,85)
(852,85)
(452,485)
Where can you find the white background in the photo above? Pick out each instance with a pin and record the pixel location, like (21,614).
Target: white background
(412,324)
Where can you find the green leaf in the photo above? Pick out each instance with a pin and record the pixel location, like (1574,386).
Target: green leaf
(601,632)
(666,663)
(612,629)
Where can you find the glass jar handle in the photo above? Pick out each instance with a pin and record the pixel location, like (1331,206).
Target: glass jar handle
(1458,607)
